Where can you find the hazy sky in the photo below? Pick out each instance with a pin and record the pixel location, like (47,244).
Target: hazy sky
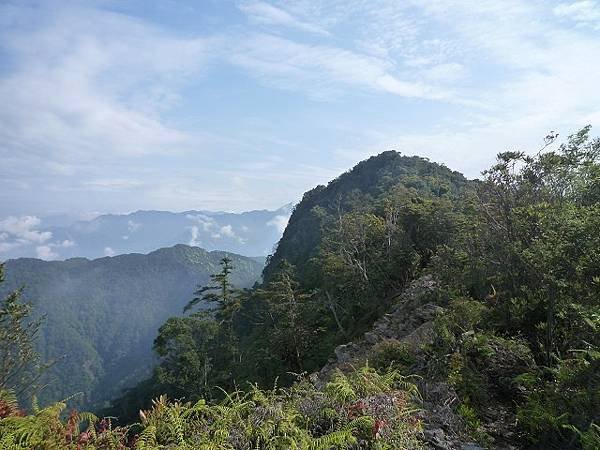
(235,105)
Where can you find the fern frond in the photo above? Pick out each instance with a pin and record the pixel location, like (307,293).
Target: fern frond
(337,439)
(147,439)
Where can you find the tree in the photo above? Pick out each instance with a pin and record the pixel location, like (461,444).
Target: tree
(197,352)
(221,294)
(286,330)
(20,365)
(539,240)
(190,357)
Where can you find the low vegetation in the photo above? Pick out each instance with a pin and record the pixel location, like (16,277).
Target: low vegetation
(361,410)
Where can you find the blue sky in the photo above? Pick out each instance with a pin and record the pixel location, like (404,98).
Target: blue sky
(114,106)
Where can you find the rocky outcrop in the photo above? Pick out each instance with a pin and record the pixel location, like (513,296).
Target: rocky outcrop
(410,322)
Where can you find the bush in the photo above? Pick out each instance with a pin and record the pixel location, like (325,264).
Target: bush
(392,354)
(562,401)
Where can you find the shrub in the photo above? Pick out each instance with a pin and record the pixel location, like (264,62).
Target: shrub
(562,401)
(392,354)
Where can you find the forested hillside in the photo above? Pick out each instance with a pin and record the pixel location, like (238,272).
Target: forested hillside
(102,315)
(405,307)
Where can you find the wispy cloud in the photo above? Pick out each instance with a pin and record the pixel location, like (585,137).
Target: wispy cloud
(91,82)
(45,252)
(265,13)
(27,232)
(322,71)
(585,12)
(279,222)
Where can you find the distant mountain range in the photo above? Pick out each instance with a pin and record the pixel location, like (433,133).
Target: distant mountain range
(252,233)
(102,315)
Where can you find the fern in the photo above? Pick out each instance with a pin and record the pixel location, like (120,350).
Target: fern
(340,389)
(345,414)
(147,439)
(590,439)
(337,439)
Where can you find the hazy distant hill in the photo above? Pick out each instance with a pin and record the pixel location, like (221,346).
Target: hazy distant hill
(252,233)
(102,315)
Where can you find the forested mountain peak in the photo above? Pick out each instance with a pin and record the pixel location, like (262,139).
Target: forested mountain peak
(362,187)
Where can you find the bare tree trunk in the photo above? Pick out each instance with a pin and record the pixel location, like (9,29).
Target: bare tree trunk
(331,305)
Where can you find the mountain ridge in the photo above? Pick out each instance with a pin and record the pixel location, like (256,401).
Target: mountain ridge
(250,233)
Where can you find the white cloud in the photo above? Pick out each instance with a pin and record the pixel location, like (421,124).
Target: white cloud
(45,252)
(133,226)
(18,232)
(67,243)
(89,85)
(446,73)
(93,95)
(8,246)
(227,230)
(207,223)
(108,251)
(24,228)
(279,222)
(194,241)
(321,70)
(585,11)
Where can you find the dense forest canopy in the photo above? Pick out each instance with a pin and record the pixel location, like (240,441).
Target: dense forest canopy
(514,264)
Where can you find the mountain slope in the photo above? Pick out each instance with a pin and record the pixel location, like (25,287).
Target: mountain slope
(366,183)
(102,315)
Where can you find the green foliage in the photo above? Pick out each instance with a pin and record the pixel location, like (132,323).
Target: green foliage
(590,439)
(392,354)
(282,310)
(562,399)
(357,191)
(473,423)
(20,365)
(380,414)
(45,429)
(221,293)
(529,256)
(517,260)
(105,313)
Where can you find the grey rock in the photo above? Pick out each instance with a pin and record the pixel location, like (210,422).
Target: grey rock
(471,446)
(436,438)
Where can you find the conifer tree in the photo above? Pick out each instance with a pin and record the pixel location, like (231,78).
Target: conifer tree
(20,366)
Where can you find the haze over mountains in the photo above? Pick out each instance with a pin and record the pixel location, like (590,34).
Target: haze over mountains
(101,316)
(117,265)
(252,233)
